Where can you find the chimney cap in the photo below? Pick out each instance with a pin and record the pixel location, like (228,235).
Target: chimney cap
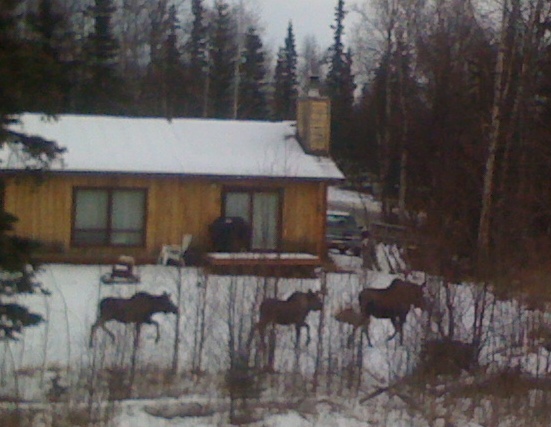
(314,86)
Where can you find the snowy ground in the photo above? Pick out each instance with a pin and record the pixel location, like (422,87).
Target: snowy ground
(212,306)
(61,345)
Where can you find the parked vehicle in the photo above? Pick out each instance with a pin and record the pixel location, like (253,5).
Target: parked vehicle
(343,233)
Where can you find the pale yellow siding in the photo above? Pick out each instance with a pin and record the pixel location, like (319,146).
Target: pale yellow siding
(174,206)
(304,217)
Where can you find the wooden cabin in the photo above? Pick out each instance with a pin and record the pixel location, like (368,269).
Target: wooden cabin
(130,185)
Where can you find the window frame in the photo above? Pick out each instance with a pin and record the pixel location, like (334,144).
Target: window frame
(109,226)
(250,191)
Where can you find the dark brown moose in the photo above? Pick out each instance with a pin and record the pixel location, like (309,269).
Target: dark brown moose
(137,309)
(391,303)
(292,311)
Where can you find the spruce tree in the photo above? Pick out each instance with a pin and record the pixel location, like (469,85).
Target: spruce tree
(50,29)
(175,77)
(198,64)
(153,96)
(46,23)
(102,92)
(285,79)
(222,62)
(340,88)
(20,82)
(252,98)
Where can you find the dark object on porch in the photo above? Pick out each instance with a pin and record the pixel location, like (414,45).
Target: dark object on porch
(230,234)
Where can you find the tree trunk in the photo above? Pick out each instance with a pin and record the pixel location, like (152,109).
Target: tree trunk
(486,214)
(385,150)
(403,138)
(176,344)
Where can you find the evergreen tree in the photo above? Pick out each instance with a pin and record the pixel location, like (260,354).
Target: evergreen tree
(222,62)
(102,92)
(175,76)
(19,82)
(340,88)
(198,64)
(285,79)
(153,97)
(50,28)
(252,99)
(46,23)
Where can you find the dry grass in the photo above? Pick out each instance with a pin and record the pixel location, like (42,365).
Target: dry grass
(447,357)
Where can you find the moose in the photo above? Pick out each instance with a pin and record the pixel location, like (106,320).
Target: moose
(137,309)
(292,311)
(350,316)
(391,303)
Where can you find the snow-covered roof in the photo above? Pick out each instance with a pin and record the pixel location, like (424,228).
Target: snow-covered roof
(181,146)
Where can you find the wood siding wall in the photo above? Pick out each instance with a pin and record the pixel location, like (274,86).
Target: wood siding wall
(174,206)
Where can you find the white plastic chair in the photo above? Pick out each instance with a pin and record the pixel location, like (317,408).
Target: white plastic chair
(175,252)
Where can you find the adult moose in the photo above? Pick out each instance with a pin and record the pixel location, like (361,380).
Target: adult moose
(292,311)
(137,309)
(391,303)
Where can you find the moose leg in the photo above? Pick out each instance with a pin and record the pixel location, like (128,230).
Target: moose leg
(267,352)
(297,340)
(251,336)
(262,335)
(92,333)
(350,339)
(395,323)
(153,322)
(398,324)
(402,320)
(137,331)
(307,333)
(264,356)
(365,330)
(270,356)
(108,331)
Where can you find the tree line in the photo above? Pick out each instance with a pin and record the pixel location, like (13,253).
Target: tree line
(454,121)
(160,58)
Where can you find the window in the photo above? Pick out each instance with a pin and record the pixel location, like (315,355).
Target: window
(261,210)
(109,217)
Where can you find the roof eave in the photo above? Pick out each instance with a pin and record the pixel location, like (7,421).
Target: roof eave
(218,177)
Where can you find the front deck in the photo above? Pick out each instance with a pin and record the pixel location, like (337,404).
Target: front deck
(287,264)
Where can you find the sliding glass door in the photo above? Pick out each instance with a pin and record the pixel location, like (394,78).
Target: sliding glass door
(261,210)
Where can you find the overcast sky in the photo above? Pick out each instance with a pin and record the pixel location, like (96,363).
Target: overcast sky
(308,16)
